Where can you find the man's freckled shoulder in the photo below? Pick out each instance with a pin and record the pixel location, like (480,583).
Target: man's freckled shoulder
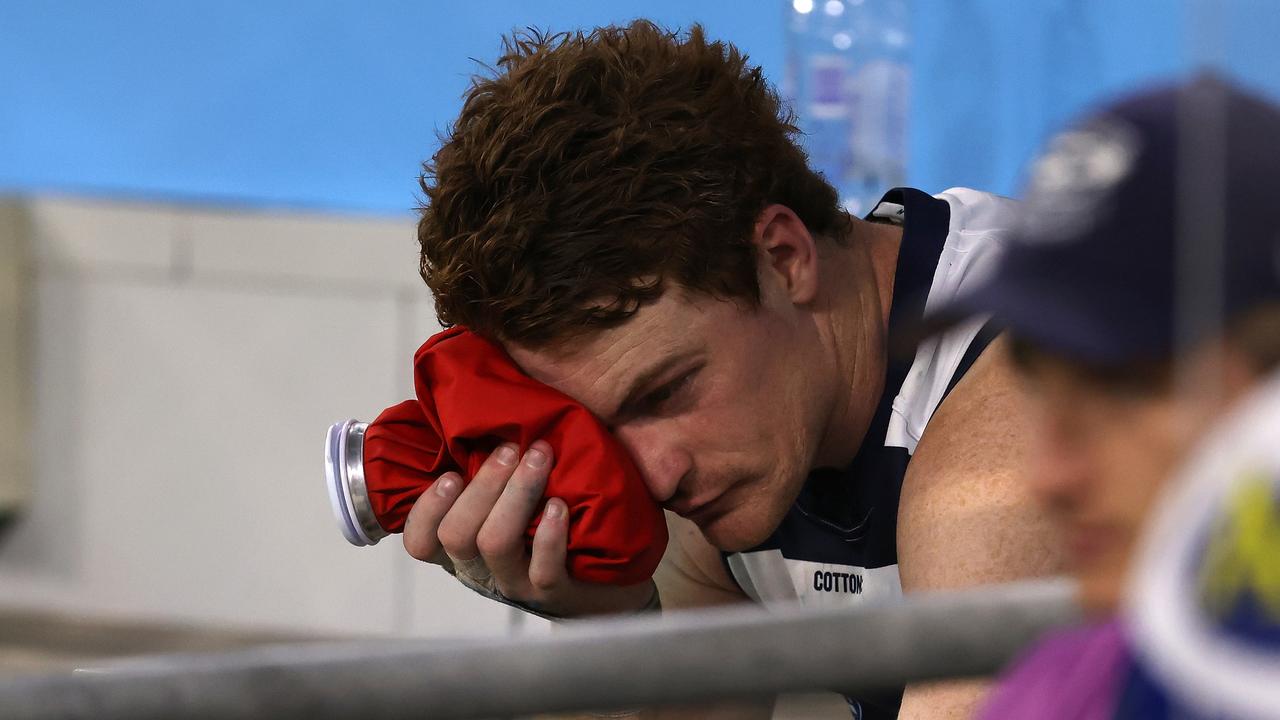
(979,431)
(967,515)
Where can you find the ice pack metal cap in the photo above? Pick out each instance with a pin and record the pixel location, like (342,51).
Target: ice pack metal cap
(344,476)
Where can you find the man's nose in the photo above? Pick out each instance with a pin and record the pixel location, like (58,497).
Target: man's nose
(659,457)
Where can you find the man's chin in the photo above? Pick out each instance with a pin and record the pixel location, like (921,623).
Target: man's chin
(729,534)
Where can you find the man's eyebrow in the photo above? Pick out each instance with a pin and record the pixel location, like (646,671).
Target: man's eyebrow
(644,381)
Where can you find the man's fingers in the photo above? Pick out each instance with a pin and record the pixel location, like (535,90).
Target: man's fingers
(501,538)
(458,528)
(547,566)
(421,524)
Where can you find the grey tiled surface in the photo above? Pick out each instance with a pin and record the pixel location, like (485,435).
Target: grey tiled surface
(33,641)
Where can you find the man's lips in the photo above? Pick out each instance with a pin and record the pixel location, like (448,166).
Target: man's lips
(698,511)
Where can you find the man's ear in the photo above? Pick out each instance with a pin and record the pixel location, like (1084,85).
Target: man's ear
(788,254)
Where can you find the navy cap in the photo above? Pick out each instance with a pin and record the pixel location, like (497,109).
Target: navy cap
(1146,225)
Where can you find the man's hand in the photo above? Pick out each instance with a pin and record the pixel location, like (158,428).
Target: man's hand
(478,531)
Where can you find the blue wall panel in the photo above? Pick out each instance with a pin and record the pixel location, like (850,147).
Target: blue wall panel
(994,77)
(334,104)
(330,104)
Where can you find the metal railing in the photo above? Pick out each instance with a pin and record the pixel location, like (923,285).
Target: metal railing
(677,657)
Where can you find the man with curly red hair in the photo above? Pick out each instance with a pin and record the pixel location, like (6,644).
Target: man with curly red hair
(627,212)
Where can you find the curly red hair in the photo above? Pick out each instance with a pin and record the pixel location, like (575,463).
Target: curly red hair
(594,169)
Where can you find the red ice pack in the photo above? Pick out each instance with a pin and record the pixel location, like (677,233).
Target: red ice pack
(471,398)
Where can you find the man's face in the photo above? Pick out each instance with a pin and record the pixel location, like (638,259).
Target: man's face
(1103,451)
(720,406)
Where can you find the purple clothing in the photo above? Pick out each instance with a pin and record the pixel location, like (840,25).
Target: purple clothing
(1074,674)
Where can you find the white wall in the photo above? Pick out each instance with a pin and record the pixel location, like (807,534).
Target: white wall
(186,365)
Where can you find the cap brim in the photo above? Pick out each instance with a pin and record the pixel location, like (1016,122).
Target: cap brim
(1053,318)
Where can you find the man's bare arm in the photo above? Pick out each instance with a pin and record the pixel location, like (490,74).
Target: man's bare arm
(693,576)
(966,517)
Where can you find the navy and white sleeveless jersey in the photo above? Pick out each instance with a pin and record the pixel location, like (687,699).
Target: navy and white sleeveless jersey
(837,544)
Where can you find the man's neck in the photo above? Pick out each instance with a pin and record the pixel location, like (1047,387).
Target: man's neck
(861,282)
(883,242)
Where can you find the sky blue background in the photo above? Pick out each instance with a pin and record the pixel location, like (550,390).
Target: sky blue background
(334,104)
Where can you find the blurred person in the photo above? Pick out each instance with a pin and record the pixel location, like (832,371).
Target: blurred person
(627,213)
(1203,603)
(1125,370)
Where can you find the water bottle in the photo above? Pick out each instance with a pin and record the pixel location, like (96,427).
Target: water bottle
(848,80)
